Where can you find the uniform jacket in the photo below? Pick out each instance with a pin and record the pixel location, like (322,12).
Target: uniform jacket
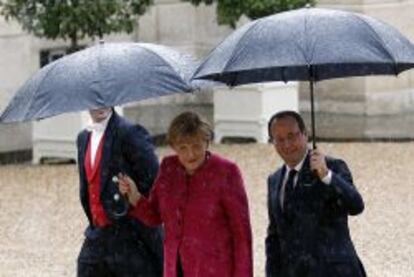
(317,234)
(127,148)
(205,216)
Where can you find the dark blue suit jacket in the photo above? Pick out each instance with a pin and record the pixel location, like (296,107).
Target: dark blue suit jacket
(317,236)
(127,148)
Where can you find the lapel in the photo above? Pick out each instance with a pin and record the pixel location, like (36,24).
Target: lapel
(106,155)
(83,142)
(306,178)
(278,180)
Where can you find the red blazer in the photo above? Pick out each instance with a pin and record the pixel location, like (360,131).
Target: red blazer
(205,217)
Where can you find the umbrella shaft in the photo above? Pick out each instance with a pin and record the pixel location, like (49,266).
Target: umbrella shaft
(312,115)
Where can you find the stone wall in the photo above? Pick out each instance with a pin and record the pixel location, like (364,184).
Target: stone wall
(15,66)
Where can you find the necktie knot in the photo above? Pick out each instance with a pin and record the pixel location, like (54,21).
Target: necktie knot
(292,174)
(290,180)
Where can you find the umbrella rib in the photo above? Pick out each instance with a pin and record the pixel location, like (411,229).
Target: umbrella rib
(99,77)
(232,57)
(29,106)
(382,43)
(308,61)
(185,78)
(199,67)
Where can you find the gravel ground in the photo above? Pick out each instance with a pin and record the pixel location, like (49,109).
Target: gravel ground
(41,221)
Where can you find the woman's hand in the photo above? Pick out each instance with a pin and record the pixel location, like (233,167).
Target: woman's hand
(128,188)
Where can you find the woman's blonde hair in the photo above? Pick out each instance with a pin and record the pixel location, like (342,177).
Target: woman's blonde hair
(188,124)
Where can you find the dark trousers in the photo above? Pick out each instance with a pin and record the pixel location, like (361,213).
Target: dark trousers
(303,267)
(115,253)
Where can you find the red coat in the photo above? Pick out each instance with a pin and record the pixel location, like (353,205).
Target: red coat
(205,217)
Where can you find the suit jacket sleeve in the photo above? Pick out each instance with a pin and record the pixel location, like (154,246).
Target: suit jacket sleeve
(272,245)
(139,152)
(142,165)
(236,206)
(343,186)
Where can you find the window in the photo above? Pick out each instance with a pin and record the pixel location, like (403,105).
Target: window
(50,55)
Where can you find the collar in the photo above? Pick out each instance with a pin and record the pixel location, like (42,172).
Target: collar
(99,126)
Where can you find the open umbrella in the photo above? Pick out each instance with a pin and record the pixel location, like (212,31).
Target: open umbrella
(308,44)
(105,75)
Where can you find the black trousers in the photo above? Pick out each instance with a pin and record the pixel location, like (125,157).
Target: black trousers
(116,252)
(313,268)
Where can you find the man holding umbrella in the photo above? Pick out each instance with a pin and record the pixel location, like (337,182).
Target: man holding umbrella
(309,200)
(115,244)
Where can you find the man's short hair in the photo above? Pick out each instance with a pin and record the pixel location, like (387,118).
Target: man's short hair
(284,114)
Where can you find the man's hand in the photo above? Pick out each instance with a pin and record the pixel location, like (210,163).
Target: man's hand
(128,187)
(318,163)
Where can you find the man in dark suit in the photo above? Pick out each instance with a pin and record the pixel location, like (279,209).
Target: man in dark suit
(115,244)
(309,200)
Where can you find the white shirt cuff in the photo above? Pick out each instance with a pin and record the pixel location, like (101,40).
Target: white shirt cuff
(328,178)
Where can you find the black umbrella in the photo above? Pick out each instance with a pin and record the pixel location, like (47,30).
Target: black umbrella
(308,44)
(104,75)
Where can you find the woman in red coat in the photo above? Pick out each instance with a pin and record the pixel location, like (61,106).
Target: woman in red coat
(200,198)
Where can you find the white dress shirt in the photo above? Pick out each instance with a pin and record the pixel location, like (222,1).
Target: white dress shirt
(97,130)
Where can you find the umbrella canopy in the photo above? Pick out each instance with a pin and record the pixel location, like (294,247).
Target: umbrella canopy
(105,75)
(308,44)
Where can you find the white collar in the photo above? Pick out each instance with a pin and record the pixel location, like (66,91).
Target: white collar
(99,126)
